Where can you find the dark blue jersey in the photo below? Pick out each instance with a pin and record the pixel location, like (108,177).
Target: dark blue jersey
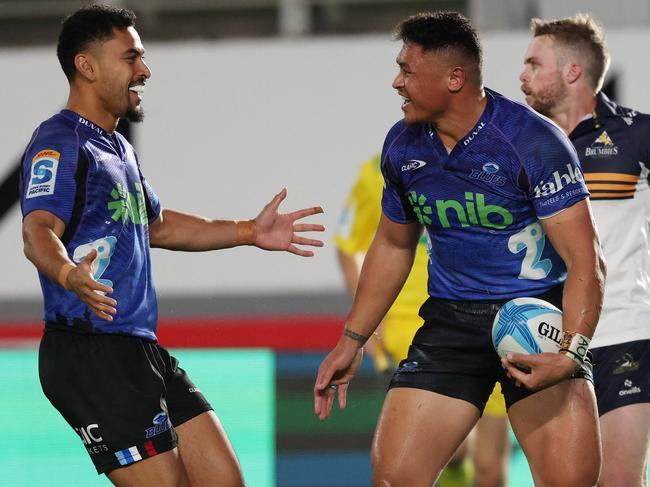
(481,203)
(92,181)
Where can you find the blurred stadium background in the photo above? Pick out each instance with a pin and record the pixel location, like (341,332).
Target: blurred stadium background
(248,96)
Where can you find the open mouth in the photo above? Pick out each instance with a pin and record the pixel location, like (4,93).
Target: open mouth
(138,89)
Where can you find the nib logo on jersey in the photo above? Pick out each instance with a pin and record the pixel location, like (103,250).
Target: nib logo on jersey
(470,212)
(559,181)
(603,146)
(128,206)
(631,388)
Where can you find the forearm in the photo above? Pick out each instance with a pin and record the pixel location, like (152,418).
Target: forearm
(583,295)
(45,250)
(182,231)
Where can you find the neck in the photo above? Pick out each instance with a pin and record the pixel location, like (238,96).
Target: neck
(90,107)
(460,117)
(573,109)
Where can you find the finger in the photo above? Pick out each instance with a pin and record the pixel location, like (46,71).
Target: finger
(516,374)
(90,257)
(102,315)
(308,227)
(298,214)
(278,198)
(343,394)
(521,359)
(307,241)
(300,252)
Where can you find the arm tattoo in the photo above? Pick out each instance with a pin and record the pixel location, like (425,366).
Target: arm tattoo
(355,336)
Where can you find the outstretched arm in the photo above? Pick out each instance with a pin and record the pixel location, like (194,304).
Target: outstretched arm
(42,232)
(270,230)
(384,271)
(573,234)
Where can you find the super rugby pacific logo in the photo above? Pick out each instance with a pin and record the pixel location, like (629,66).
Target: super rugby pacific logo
(413,164)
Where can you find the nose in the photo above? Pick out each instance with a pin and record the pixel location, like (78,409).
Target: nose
(398,82)
(523,77)
(144,68)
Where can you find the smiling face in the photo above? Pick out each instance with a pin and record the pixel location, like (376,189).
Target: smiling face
(422,82)
(542,79)
(121,74)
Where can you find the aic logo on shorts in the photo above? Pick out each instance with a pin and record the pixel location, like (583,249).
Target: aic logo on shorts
(469,213)
(160,425)
(91,438)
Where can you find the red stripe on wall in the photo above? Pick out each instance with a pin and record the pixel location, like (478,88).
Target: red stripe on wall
(281,333)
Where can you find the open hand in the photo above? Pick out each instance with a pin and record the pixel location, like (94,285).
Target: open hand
(80,281)
(278,231)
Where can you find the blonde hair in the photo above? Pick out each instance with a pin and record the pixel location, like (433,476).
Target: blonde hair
(578,37)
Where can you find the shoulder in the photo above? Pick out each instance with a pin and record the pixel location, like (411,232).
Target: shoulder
(53,138)
(527,130)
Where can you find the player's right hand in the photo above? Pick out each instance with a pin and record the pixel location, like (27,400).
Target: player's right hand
(80,281)
(334,375)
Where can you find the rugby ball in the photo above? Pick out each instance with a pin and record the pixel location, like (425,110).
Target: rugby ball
(527,326)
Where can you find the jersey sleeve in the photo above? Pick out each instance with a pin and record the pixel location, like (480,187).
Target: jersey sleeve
(48,178)
(360,216)
(152,202)
(394,201)
(554,178)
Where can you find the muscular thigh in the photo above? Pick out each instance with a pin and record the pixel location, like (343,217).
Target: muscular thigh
(558,431)
(417,433)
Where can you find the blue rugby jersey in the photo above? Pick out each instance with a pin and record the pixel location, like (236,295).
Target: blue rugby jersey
(92,181)
(481,203)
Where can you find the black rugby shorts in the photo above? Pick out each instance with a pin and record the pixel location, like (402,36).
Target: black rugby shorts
(122,395)
(452,353)
(621,375)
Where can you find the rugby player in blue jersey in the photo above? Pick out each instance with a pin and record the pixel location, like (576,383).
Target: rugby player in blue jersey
(500,192)
(90,218)
(565,65)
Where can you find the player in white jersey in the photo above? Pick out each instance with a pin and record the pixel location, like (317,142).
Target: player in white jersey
(564,69)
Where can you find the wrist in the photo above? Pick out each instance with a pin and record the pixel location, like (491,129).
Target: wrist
(575,346)
(245,232)
(64,272)
(352,337)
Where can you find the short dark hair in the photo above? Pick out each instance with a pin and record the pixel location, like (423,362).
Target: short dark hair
(437,31)
(581,36)
(92,23)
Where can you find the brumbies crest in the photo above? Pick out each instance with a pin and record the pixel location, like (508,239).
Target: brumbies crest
(603,146)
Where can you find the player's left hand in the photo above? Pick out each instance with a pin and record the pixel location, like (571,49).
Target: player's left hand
(278,231)
(544,369)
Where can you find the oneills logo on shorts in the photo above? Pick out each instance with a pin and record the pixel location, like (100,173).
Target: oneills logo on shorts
(43,173)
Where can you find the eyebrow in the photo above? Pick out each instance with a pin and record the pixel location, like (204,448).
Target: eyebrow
(135,51)
(530,59)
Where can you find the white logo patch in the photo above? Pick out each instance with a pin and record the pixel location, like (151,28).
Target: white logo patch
(43,173)
(413,164)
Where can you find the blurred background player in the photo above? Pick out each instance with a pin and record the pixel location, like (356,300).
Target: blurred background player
(565,65)
(389,345)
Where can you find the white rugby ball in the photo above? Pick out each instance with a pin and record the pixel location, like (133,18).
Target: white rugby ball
(527,326)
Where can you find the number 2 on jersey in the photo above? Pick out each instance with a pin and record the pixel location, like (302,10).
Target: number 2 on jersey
(532,239)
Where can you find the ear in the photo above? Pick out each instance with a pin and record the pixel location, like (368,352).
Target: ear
(86,65)
(572,73)
(457,78)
